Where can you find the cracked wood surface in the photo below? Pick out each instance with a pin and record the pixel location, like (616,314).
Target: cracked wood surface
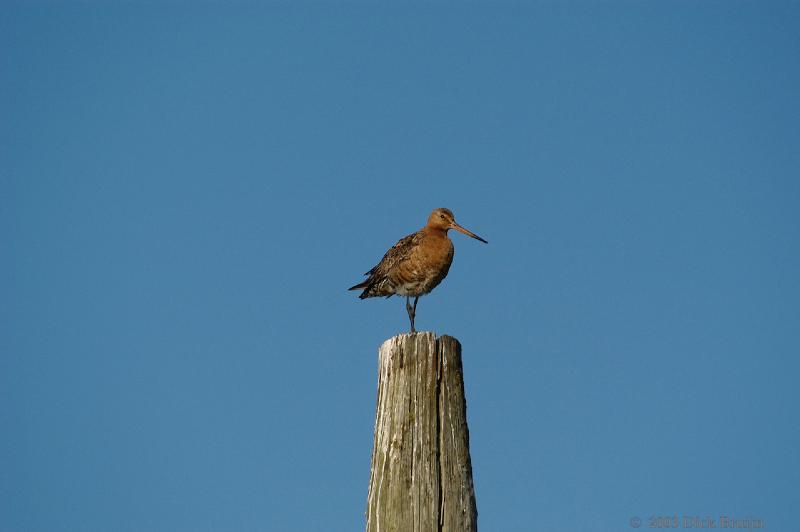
(421,475)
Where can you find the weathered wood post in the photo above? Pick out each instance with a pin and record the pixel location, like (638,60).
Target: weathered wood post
(421,475)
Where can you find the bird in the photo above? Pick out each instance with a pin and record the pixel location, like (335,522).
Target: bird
(416,264)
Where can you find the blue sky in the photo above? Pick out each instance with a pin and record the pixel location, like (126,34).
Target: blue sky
(186,191)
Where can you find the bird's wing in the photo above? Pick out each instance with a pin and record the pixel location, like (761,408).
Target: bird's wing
(397,254)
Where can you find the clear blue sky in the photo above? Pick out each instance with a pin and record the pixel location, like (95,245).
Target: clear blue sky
(186,191)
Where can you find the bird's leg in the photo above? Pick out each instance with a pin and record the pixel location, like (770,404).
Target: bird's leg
(411,311)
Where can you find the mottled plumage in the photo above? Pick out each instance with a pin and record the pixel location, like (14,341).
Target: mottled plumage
(416,264)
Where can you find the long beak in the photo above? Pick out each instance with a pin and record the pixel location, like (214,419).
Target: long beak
(467,232)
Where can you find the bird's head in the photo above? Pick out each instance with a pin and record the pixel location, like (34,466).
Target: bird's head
(443,220)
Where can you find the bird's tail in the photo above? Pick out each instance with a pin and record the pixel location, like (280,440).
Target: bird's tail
(360,286)
(366,286)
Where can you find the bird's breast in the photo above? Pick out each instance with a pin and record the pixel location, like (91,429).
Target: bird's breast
(426,266)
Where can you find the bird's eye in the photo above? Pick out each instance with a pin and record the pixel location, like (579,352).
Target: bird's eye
(441,216)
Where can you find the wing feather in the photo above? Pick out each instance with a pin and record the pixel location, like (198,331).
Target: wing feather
(380,281)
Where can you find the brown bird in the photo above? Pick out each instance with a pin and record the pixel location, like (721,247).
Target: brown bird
(416,264)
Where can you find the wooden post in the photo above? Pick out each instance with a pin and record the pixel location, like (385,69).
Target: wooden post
(421,475)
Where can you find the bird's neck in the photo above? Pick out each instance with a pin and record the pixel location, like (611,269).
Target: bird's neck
(436,232)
